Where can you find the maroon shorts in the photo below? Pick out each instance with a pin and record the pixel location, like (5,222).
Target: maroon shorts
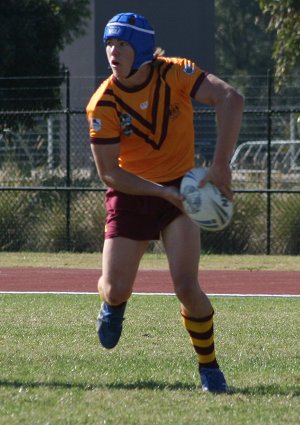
(138,217)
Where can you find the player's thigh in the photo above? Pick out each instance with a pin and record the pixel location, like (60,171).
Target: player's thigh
(120,261)
(181,240)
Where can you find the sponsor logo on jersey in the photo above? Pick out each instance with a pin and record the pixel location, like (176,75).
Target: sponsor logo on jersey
(125,123)
(96,124)
(144,105)
(189,69)
(174,111)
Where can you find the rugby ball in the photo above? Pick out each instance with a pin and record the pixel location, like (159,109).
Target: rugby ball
(207,206)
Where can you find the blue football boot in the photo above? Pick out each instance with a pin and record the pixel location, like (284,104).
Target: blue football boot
(213,380)
(109,324)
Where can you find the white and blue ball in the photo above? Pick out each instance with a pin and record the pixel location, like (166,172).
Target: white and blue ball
(207,206)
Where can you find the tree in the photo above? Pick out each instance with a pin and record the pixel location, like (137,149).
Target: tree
(242,44)
(32,33)
(284,21)
(243,47)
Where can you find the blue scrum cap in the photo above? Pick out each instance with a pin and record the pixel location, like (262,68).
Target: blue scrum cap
(136,30)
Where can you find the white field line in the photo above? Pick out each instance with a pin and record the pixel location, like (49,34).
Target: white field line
(144,293)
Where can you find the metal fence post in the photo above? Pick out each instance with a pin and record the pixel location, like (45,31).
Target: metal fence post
(269,161)
(68,159)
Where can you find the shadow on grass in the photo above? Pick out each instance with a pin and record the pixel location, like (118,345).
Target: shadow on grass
(258,390)
(138,385)
(266,390)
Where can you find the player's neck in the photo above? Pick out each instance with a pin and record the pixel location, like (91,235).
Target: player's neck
(138,78)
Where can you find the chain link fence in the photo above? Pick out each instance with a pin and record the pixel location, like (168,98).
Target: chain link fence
(51,198)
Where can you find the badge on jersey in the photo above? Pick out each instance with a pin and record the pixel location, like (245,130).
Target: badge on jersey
(144,105)
(96,124)
(189,69)
(125,123)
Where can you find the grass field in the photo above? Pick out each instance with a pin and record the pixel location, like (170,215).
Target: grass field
(53,371)
(150,261)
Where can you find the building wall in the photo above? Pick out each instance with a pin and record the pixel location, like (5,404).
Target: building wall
(182,31)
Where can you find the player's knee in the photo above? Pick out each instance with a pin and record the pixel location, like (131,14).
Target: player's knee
(186,288)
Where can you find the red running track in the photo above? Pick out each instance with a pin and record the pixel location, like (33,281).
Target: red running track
(150,281)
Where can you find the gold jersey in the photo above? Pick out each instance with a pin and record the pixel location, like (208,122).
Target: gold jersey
(153,122)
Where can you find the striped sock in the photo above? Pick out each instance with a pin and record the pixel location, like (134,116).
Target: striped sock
(201,332)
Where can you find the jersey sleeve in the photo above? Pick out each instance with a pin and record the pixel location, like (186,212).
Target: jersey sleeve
(103,119)
(187,76)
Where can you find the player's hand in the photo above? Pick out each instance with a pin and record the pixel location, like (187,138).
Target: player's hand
(220,176)
(172,194)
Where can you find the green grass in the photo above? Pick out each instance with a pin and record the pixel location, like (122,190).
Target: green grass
(151,261)
(54,372)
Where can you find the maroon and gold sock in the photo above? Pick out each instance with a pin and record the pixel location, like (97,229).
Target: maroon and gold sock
(201,332)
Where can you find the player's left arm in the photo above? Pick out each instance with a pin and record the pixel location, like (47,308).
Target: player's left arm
(229,106)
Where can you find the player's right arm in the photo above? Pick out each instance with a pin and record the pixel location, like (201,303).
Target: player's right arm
(107,164)
(229,105)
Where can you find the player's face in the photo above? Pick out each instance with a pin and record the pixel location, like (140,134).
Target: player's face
(120,56)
